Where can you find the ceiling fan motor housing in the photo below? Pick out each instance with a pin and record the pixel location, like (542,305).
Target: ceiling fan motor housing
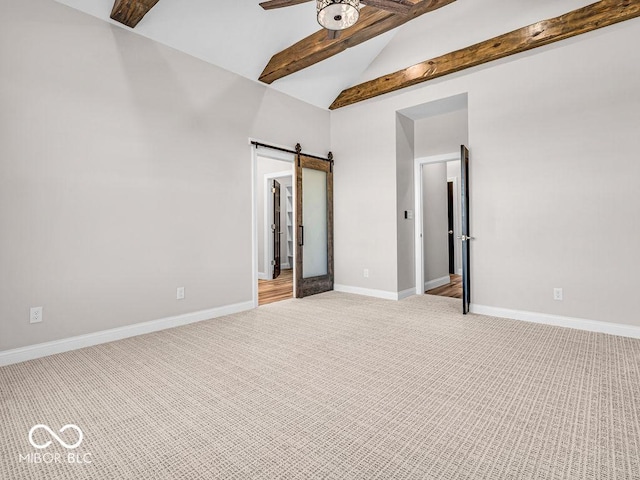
(338,14)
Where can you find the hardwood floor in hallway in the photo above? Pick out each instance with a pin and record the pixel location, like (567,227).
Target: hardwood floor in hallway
(281,288)
(453,289)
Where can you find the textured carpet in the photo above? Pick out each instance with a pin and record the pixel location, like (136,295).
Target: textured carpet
(334,386)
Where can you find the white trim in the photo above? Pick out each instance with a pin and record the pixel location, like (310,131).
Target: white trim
(39,350)
(263,276)
(418,227)
(445,157)
(369,292)
(459,271)
(620,329)
(438,282)
(283,173)
(406,293)
(285,266)
(254,226)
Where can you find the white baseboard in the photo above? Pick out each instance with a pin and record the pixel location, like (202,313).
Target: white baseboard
(438,282)
(39,350)
(369,292)
(285,266)
(559,321)
(405,293)
(459,271)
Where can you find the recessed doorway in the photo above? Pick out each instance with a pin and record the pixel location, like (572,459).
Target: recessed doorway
(441,234)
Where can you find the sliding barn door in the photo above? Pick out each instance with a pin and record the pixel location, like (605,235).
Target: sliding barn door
(465,237)
(314,222)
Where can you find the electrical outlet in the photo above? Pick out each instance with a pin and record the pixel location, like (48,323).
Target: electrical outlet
(557,294)
(366,273)
(35,315)
(180,293)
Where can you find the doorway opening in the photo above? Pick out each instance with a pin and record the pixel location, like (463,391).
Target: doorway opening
(439,216)
(433,210)
(274,227)
(292,223)
(423,133)
(432,222)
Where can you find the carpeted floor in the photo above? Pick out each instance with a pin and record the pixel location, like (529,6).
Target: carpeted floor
(334,386)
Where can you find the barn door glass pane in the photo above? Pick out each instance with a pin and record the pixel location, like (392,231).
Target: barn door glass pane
(314,212)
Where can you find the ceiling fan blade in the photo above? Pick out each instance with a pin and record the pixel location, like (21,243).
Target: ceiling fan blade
(395,6)
(268,5)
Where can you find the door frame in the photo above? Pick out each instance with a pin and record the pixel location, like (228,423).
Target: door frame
(268,209)
(418,226)
(272,155)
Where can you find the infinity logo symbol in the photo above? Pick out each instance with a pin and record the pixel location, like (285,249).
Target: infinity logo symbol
(53,434)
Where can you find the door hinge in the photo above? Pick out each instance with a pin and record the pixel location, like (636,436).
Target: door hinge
(273,189)
(273,262)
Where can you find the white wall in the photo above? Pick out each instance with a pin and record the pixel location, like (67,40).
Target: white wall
(442,133)
(435,222)
(365,217)
(125,172)
(548,208)
(405,154)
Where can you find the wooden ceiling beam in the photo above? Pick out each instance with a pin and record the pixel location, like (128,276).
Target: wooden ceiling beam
(402,7)
(281,3)
(130,12)
(318,47)
(576,22)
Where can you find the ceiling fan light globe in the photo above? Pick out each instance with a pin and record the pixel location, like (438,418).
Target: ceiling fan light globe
(338,14)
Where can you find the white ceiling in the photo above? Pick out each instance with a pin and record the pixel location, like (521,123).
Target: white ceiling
(239,36)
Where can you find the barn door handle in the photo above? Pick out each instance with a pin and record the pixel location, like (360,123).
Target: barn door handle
(301,235)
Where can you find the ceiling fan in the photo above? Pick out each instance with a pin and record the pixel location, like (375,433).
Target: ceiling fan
(336,15)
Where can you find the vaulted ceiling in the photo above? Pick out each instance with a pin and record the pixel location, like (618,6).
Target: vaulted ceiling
(240,36)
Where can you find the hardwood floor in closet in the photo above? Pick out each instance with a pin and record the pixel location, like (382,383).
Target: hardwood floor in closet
(281,288)
(453,289)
